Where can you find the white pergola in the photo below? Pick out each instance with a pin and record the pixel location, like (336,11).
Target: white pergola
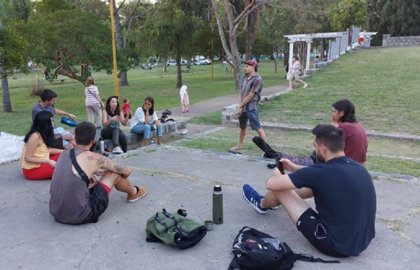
(337,46)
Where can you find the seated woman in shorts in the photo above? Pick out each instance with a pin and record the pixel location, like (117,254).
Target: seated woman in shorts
(145,120)
(38,157)
(112,117)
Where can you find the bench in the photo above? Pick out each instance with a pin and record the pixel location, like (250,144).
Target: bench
(170,130)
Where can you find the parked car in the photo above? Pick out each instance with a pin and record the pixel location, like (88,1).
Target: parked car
(171,63)
(202,62)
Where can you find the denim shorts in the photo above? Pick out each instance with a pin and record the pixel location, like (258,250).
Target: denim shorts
(253,118)
(315,232)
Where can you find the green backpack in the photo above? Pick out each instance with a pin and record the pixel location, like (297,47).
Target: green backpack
(174,229)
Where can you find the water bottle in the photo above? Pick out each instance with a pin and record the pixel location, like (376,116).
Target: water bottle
(68,121)
(102,147)
(217,205)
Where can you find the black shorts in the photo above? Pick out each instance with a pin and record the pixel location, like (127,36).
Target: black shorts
(312,228)
(98,202)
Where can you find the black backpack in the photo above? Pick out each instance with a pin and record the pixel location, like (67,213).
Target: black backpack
(255,250)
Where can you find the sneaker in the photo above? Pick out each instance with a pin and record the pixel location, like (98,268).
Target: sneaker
(253,198)
(117,150)
(271,165)
(237,148)
(305,85)
(141,192)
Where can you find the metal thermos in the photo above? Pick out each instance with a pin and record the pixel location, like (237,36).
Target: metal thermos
(217,205)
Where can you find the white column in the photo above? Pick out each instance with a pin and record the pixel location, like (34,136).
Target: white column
(291,42)
(329,51)
(308,53)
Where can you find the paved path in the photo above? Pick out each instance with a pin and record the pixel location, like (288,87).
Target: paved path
(183,178)
(217,104)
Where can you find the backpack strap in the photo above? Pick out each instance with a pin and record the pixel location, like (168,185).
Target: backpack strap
(309,258)
(161,222)
(169,215)
(77,167)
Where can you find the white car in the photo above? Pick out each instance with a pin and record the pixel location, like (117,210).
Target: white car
(202,62)
(171,63)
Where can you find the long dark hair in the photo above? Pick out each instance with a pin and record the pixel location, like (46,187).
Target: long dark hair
(108,107)
(43,125)
(345,106)
(152,101)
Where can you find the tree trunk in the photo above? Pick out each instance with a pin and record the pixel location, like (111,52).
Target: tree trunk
(178,65)
(252,25)
(7,104)
(123,81)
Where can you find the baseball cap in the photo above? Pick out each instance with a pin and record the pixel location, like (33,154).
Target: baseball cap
(251,63)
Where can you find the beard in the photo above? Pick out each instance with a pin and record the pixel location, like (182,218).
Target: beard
(319,158)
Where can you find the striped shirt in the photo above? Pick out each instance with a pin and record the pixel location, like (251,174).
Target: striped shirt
(92,95)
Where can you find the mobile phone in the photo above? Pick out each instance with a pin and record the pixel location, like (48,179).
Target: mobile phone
(279,165)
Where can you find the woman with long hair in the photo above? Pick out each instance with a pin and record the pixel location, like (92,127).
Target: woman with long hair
(145,120)
(38,157)
(343,115)
(112,117)
(93,102)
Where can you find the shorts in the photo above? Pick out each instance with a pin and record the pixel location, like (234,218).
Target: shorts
(292,76)
(315,232)
(98,202)
(253,118)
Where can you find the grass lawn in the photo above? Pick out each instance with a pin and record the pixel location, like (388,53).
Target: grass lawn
(155,83)
(384,85)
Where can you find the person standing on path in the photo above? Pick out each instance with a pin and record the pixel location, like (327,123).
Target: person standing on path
(93,102)
(249,98)
(294,73)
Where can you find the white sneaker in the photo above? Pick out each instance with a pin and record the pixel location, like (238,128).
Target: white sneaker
(117,150)
(305,85)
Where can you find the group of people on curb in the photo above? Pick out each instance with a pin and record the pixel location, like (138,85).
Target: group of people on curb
(342,223)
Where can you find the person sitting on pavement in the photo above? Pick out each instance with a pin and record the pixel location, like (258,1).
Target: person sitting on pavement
(112,117)
(145,120)
(343,115)
(294,73)
(344,221)
(249,99)
(38,157)
(47,103)
(77,196)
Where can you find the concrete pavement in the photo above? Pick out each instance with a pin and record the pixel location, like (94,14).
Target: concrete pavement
(184,178)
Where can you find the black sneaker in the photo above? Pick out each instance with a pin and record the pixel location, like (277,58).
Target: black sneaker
(271,165)
(253,198)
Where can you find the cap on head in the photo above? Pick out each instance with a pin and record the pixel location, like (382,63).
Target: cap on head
(251,63)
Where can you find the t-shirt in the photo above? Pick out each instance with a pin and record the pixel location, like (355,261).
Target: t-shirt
(255,84)
(126,108)
(91,93)
(356,141)
(345,200)
(69,202)
(139,118)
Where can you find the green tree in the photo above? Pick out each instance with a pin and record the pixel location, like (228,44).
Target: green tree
(65,36)
(398,18)
(12,47)
(171,28)
(347,13)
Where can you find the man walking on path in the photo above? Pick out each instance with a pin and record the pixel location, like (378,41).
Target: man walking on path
(294,73)
(249,98)
(77,197)
(344,221)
